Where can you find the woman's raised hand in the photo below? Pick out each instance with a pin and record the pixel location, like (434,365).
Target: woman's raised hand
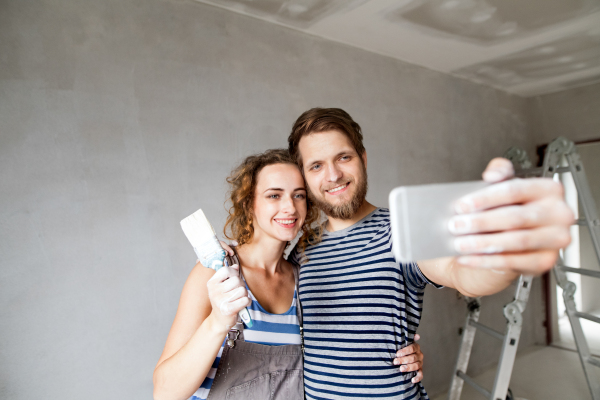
(228,295)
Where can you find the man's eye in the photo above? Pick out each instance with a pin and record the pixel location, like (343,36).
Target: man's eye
(315,167)
(345,158)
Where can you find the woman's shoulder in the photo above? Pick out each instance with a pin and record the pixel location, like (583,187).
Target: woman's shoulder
(200,274)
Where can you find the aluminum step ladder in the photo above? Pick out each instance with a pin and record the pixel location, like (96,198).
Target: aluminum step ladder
(513,310)
(552,164)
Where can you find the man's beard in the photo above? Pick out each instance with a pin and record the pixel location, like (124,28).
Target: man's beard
(346,210)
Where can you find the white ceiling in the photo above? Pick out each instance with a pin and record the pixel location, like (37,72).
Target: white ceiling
(525,47)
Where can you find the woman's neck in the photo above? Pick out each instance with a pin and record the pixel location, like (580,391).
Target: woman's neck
(265,253)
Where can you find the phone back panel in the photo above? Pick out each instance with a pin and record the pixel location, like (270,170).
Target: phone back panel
(419,217)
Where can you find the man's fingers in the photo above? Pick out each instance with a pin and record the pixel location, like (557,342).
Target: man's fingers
(498,169)
(410,349)
(540,213)
(529,263)
(418,377)
(514,191)
(411,367)
(548,237)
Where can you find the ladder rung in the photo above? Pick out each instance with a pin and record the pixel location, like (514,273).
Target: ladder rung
(589,317)
(487,330)
(474,384)
(538,171)
(587,272)
(584,222)
(592,360)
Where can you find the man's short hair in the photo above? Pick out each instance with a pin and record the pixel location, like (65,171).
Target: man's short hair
(322,120)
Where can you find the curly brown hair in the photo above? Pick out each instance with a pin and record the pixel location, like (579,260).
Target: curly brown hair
(243,182)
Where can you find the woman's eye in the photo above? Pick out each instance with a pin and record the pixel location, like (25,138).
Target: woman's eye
(300,196)
(273,196)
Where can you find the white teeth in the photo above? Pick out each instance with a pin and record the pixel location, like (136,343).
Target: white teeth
(285,221)
(337,188)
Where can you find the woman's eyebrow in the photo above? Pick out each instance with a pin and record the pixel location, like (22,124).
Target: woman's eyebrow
(276,189)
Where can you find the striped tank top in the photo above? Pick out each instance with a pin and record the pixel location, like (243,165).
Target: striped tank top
(268,329)
(359,307)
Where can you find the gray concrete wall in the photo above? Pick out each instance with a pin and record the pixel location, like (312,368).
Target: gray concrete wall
(118,119)
(572,113)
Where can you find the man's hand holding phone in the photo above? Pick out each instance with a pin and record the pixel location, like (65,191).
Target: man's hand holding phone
(514,224)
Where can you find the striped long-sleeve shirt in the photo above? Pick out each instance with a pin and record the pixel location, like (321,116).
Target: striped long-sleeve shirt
(360,306)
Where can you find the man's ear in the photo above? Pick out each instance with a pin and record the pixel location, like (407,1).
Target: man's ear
(364,158)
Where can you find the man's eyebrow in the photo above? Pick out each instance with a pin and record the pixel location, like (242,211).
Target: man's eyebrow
(345,151)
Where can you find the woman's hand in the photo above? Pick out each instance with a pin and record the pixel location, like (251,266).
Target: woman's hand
(228,295)
(410,359)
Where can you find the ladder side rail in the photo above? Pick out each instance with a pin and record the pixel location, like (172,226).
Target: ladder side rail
(583,350)
(513,312)
(464,351)
(587,200)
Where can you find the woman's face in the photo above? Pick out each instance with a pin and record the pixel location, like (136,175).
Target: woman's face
(279,202)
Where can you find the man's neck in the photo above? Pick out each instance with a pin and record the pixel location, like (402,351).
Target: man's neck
(334,224)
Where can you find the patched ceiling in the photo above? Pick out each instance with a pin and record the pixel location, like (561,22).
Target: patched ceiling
(525,47)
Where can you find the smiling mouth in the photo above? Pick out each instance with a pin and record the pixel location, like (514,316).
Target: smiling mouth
(338,188)
(286,223)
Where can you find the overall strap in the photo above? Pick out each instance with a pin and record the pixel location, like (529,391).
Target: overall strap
(296,269)
(297,283)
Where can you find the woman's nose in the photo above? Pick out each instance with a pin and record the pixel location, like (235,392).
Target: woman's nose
(288,204)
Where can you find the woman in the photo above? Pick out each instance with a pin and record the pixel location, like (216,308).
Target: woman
(269,208)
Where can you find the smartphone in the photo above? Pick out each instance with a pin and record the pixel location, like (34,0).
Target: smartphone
(419,217)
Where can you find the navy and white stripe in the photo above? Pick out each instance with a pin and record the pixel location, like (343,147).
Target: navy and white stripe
(268,329)
(359,307)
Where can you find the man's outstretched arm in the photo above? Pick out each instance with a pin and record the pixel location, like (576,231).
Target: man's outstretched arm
(513,227)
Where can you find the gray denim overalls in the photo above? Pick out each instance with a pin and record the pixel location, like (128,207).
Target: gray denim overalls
(252,371)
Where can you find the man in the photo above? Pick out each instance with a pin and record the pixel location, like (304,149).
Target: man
(360,305)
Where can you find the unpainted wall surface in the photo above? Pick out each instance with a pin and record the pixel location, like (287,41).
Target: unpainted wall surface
(118,119)
(573,113)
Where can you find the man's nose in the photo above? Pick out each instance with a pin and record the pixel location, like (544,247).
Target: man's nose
(333,173)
